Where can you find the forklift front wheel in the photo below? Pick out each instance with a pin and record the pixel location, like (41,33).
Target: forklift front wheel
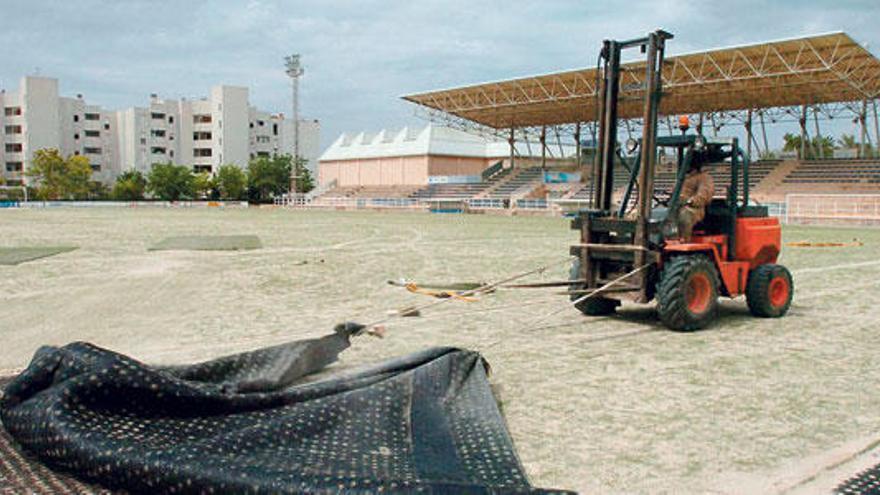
(687,293)
(594,306)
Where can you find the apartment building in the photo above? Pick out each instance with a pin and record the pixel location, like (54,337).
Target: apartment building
(36,117)
(203,133)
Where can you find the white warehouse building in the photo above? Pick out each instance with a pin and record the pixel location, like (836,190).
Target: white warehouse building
(203,134)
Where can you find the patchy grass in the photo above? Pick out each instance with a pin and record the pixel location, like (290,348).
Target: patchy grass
(17,255)
(208,243)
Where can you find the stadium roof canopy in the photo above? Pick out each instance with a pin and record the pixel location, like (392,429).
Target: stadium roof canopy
(827,68)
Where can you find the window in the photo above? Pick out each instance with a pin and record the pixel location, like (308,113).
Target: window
(157,150)
(143,141)
(262,153)
(76,118)
(158,115)
(275,129)
(170,119)
(13,147)
(13,166)
(13,129)
(12,111)
(171,153)
(92,151)
(76,153)
(202,136)
(201,119)
(92,133)
(106,127)
(199,169)
(93,116)
(96,167)
(262,139)
(260,123)
(202,152)
(76,136)
(157,133)
(252,125)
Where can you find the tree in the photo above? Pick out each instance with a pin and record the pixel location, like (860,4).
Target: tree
(269,177)
(232,182)
(205,186)
(848,141)
(78,177)
(130,186)
(48,170)
(98,191)
(59,178)
(818,146)
(304,180)
(171,182)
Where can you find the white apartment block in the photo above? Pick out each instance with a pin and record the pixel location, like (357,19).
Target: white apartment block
(203,134)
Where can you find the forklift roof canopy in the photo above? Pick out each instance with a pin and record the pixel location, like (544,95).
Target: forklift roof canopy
(825,68)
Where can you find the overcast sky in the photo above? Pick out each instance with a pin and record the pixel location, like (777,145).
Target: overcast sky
(361,55)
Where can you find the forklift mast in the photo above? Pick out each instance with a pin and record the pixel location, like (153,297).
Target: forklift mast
(609,95)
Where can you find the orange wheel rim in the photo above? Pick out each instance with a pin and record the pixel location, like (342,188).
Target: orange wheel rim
(778,292)
(698,293)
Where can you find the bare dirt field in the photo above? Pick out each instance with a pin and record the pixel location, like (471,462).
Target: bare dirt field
(600,405)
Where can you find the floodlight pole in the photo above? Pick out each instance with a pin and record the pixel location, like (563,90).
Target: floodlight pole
(294,71)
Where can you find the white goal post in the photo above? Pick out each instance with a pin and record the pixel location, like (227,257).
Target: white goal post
(832,209)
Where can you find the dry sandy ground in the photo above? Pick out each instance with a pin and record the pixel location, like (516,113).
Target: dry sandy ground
(602,405)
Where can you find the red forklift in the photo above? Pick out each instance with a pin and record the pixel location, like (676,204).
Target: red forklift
(632,251)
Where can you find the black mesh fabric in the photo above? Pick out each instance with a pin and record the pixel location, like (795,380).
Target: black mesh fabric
(256,423)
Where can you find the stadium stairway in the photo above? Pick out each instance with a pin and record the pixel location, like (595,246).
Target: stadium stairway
(459,191)
(522,181)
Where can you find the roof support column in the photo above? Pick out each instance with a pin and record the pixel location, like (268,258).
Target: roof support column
(512,142)
(749,133)
(864,129)
(577,144)
(764,131)
(700,123)
(819,146)
(803,123)
(876,130)
(543,147)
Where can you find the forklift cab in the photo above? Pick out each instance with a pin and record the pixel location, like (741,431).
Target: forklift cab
(731,192)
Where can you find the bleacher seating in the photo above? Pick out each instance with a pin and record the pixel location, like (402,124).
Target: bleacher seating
(521,179)
(368,192)
(835,171)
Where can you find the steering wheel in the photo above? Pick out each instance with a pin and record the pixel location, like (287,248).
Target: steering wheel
(663,201)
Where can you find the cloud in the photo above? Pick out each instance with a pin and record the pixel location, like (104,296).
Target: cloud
(361,55)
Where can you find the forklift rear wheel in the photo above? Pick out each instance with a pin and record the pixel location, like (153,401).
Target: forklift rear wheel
(594,306)
(769,291)
(687,294)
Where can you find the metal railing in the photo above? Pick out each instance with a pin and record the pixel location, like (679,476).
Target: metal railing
(532,204)
(485,204)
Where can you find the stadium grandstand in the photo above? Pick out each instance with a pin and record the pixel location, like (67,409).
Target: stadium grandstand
(529,139)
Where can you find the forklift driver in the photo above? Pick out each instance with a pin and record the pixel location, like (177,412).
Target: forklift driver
(696,193)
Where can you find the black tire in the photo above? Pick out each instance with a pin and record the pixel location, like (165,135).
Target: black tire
(680,305)
(594,306)
(769,291)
